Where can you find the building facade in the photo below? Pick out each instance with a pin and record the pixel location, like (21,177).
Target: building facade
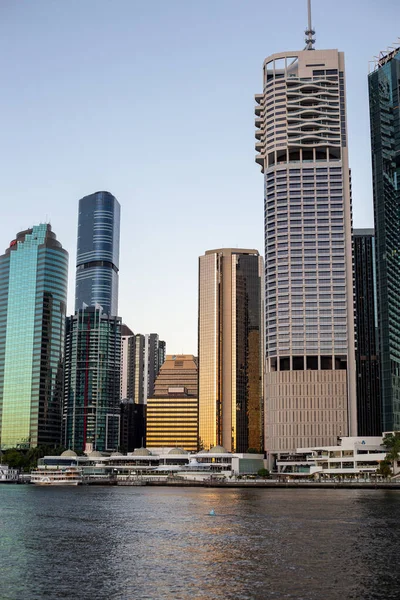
(127,362)
(172,411)
(310,384)
(369,410)
(91,418)
(384,99)
(141,360)
(132,426)
(231,350)
(33,297)
(97,258)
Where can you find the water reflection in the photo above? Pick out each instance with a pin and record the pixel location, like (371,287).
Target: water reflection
(156,543)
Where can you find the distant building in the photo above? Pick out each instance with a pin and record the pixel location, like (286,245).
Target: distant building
(384,99)
(369,410)
(141,359)
(172,412)
(92,381)
(33,296)
(231,344)
(154,356)
(132,425)
(127,362)
(97,258)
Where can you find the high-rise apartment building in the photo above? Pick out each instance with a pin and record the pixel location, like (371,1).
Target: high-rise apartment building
(384,99)
(33,296)
(154,356)
(127,363)
(231,350)
(91,418)
(172,412)
(97,258)
(310,385)
(141,360)
(366,320)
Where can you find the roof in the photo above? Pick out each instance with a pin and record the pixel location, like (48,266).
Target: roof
(70,453)
(141,452)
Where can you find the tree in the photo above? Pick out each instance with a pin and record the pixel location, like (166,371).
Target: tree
(392,444)
(384,468)
(263,473)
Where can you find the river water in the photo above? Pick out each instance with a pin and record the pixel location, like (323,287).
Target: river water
(161,543)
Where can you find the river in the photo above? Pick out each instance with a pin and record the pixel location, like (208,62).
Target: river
(161,543)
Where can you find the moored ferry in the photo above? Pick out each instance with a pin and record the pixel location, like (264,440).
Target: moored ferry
(65,476)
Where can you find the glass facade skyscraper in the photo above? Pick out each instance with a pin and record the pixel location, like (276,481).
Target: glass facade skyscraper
(369,416)
(231,350)
(33,296)
(92,381)
(310,385)
(97,259)
(384,99)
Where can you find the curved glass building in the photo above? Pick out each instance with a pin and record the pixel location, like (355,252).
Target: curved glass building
(33,296)
(97,259)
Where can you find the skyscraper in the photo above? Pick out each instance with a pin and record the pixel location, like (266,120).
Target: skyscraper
(97,259)
(309,324)
(367,360)
(92,381)
(154,356)
(230,350)
(172,412)
(33,296)
(384,99)
(141,360)
(127,363)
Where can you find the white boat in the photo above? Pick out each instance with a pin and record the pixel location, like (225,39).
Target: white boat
(63,476)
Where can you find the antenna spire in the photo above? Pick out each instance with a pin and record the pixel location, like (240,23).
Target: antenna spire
(310,40)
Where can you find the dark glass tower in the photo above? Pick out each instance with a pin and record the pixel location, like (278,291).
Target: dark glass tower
(97,260)
(367,361)
(92,381)
(384,100)
(33,296)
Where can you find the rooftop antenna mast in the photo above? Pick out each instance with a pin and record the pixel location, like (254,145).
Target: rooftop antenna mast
(310,32)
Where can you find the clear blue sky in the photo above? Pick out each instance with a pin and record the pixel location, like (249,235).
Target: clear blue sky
(154,102)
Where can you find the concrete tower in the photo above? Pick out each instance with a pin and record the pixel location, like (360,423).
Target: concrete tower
(309,325)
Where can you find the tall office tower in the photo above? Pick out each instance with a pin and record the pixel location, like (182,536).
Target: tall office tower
(92,381)
(172,412)
(97,258)
(230,350)
(33,296)
(384,99)
(310,385)
(366,322)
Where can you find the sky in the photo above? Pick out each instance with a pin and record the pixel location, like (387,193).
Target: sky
(154,102)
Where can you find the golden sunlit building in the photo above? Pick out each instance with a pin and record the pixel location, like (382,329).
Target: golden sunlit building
(172,412)
(231,350)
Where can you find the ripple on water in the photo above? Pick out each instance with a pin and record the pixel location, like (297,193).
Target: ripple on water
(161,543)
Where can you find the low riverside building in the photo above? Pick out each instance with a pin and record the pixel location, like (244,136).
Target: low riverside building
(158,462)
(8,475)
(352,457)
